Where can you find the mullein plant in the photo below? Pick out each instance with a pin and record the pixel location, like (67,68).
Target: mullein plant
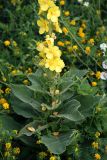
(54,104)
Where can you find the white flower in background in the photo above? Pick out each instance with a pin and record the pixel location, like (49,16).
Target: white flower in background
(86,4)
(103,75)
(103,47)
(104,64)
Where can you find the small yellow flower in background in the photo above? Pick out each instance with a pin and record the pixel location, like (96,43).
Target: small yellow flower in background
(26,82)
(84,25)
(3,100)
(44,25)
(81,34)
(5,106)
(97,134)
(87,50)
(98,74)
(95,145)
(62,2)
(75,47)
(91,41)
(67,42)
(66,13)
(14,72)
(53,158)
(94,84)
(29,71)
(7,43)
(59,43)
(97,156)
(8,145)
(7,90)
(64,29)
(16,150)
(53,14)
(73,22)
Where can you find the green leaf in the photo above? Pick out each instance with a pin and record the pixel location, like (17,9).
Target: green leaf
(57,145)
(8,123)
(70,78)
(87,104)
(22,108)
(25,95)
(70,111)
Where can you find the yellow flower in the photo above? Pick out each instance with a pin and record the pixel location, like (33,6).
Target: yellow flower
(98,74)
(67,42)
(53,14)
(87,50)
(64,29)
(40,46)
(2,100)
(57,27)
(94,84)
(43,24)
(55,64)
(26,82)
(73,22)
(16,150)
(75,47)
(62,2)
(44,4)
(66,13)
(95,145)
(8,145)
(5,106)
(97,134)
(91,41)
(81,34)
(7,43)
(52,52)
(7,90)
(53,158)
(59,43)
(97,156)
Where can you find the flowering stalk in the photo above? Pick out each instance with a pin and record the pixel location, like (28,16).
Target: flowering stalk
(48,22)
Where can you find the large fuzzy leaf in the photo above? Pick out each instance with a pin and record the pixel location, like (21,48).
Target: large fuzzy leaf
(22,108)
(57,145)
(70,111)
(8,123)
(25,95)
